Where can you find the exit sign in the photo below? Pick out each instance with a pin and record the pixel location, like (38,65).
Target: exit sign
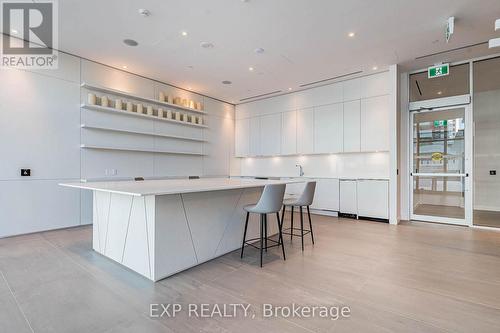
(437,71)
(440,123)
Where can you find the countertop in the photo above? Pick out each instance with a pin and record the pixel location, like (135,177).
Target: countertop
(174,186)
(313,177)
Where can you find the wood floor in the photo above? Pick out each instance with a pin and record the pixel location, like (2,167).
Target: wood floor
(415,277)
(487,218)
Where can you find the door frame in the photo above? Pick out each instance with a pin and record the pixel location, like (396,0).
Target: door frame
(436,105)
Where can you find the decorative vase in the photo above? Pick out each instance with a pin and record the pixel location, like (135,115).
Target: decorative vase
(149,110)
(140,108)
(91,99)
(170,99)
(130,107)
(169,114)
(118,104)
(191,104)
(162,96)
(160,113)
(178,116)
(177,101)
(104,101)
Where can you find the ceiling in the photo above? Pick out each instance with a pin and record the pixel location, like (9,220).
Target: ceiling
(303,41)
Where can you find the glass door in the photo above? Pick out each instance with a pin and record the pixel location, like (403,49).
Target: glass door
(440,165)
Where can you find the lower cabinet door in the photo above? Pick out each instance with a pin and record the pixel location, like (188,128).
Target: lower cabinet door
(326,196)
(348,201)
(373,198)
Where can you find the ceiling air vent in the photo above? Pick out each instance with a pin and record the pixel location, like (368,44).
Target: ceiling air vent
(329,79)
(452,50)
(260,96)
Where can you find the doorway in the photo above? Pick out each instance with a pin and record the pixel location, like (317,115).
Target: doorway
(440,156)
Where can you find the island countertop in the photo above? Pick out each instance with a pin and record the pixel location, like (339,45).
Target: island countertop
(174,186)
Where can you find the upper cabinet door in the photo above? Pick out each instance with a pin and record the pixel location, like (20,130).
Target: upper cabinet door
(375,124)
(242,137)
(352,127)
(352,89)
(270,134)
(289,133)
(375,85)
(255,136)
(305,130)
(328,129)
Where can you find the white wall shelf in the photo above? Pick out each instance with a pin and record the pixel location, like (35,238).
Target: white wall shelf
(135,114)
(99,128)
(138,98)
(142,150)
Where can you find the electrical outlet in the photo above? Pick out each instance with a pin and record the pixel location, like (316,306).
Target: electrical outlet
(493,172)
(25,172)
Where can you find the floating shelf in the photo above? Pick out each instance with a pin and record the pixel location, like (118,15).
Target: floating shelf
(139,98)
(140,133)
(135,114)
(142,150)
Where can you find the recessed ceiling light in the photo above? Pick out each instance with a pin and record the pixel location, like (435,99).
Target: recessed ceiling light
(289,89)
(124,67)
(374,68)
(439,92)
(144,12)
(259,50)
(130,42)
(184,33)
(189,88)
(226,82)
(206,45)
(250,69)
(14,31)
(351,34)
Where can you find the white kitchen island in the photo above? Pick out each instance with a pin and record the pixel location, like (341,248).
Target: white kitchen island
(160,227)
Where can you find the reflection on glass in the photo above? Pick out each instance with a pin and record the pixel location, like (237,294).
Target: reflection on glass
(439,148)
(439,196)
(438,142)
(455,84)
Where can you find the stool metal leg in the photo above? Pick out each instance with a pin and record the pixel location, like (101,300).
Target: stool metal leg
(310,224)
(282,220)
(280,239)
(302,227)
(261,236)
(291,224)
(244,235)
(265,230)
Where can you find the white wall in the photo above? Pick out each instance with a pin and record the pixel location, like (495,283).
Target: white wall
(40,120)
(487,150)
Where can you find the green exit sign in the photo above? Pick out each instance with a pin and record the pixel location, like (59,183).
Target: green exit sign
(437,71)
(440,123)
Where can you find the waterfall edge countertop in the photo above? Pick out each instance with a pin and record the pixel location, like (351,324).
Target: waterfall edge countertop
(174,186)
(160,227)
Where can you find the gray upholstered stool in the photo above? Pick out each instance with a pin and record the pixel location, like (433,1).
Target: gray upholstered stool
(305,199)
(270,202)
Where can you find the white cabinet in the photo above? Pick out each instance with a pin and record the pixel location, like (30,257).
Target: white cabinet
(375,85)
(328,128)
(375,124)
(352,89)
(352,127)
(305,131)
(326,196)
(348,201)
(270,135)
(254,136)
(289,133)
(373,198)
(242,137)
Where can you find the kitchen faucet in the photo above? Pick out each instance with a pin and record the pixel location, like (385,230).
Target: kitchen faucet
(301,170)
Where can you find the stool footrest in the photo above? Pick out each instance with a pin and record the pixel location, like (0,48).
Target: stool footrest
(248,242)
(306,231)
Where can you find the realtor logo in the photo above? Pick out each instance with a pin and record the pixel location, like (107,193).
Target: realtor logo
(29,38)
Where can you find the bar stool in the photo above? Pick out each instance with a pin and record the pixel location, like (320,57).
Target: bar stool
(270,202)
(305,199)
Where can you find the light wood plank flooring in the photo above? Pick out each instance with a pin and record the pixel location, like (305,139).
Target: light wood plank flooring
(415,277)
